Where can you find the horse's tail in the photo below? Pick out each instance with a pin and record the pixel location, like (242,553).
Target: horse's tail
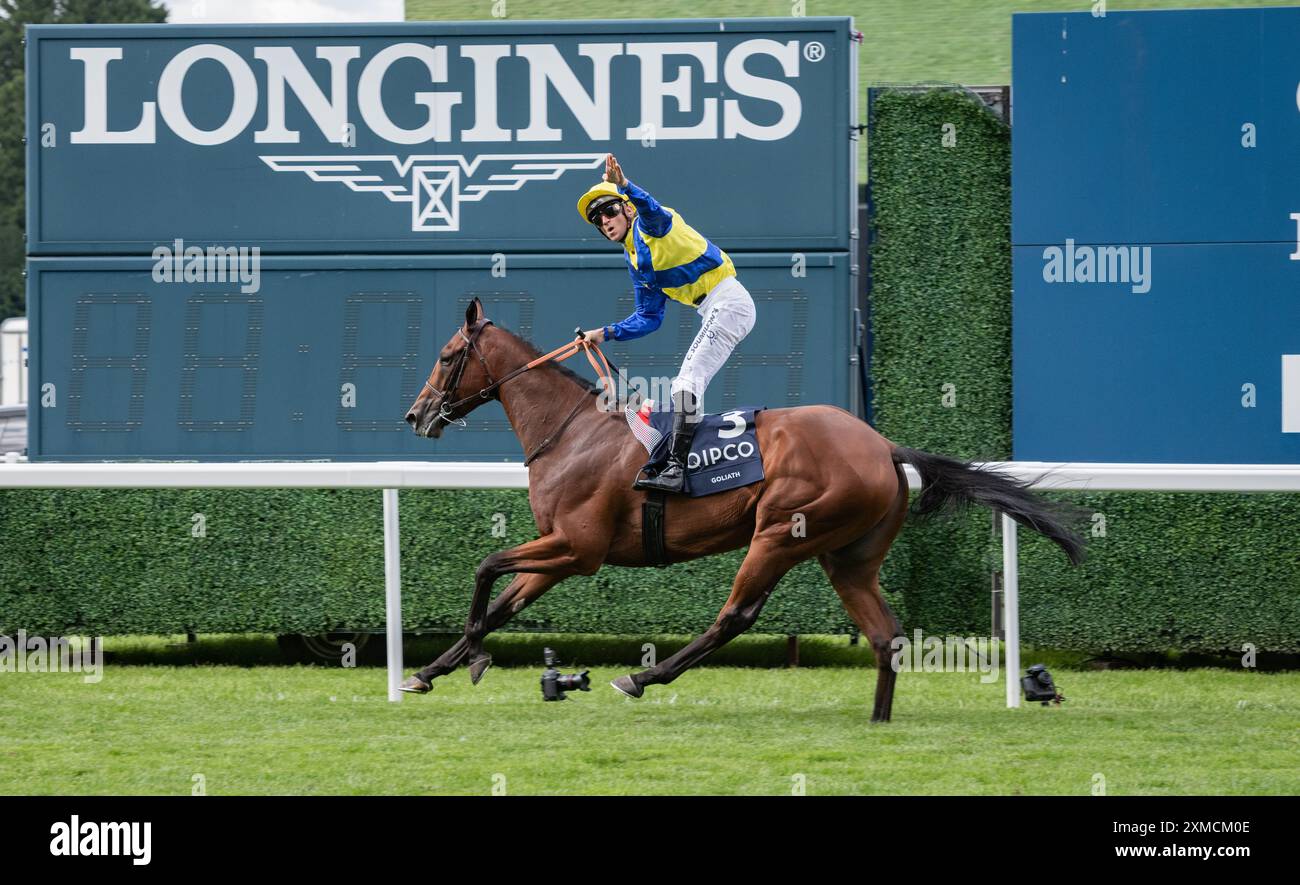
(949,482)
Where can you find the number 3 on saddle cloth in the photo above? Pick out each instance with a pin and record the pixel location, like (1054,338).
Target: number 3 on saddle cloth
(724,452)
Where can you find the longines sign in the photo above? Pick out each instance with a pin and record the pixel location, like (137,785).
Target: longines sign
(434,138)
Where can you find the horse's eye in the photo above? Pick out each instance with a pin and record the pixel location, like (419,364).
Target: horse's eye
(446,360)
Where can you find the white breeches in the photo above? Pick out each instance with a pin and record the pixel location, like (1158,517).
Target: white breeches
(728,314)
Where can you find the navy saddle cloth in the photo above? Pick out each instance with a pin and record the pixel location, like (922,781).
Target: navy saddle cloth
(724,452)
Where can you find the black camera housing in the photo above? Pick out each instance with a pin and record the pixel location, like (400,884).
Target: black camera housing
(1038,686)
(555,683)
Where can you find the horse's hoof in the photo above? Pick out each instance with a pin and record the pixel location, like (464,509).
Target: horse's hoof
(628,686)
(415,685)
(478,667)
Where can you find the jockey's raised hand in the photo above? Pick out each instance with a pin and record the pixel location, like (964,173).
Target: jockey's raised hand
(613,172)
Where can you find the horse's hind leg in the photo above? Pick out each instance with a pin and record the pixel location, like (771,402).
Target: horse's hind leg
(763,567)
(854,572)
(520,592)
(858,586)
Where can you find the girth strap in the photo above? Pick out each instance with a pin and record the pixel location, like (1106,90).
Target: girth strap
(652,529)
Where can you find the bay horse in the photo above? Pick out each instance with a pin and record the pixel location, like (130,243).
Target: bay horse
(821,463)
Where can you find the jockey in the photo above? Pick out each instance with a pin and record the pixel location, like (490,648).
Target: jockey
(668,259)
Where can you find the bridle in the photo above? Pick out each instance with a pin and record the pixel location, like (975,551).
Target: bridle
(446,411)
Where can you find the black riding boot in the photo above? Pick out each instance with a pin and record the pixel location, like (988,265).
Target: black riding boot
(685,421)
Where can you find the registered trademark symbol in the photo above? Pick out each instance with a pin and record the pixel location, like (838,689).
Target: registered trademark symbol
(814,51)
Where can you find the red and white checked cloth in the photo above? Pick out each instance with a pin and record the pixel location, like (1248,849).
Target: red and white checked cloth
(638,421)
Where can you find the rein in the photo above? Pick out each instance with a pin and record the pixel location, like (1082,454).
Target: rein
(560,354)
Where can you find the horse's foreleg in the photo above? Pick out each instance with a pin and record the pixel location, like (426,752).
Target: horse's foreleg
(521,592)
(552,556)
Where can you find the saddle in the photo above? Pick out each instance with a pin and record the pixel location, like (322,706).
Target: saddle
(724,455)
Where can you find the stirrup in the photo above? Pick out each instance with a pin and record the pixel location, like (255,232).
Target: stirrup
(645,474)
(661,483)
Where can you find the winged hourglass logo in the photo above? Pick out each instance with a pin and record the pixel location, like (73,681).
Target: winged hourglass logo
(436,184)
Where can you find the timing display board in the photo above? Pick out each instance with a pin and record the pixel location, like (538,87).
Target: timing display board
(324,359)
(434,137)
(1156,236)
(234,228)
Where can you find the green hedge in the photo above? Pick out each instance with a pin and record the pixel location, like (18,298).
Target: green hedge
(305,561)
(1173,571)
(940,314)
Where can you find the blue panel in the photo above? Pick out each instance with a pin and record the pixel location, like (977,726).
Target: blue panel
(1104,373)
(1128,128)
(1169,139)
(143,369)
(752,143)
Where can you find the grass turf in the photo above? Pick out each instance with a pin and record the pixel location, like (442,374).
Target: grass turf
(151,728)
(904,41)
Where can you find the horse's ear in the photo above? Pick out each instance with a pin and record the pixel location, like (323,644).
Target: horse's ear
(473,313)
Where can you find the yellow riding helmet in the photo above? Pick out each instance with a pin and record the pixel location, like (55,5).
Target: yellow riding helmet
(600,191)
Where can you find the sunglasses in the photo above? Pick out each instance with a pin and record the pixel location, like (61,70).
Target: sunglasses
(609,210)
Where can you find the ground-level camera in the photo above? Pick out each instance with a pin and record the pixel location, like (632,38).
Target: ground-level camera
(1038,686)
(555,683)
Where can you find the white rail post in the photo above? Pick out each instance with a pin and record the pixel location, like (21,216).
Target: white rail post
(1011,608)
(393,593)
